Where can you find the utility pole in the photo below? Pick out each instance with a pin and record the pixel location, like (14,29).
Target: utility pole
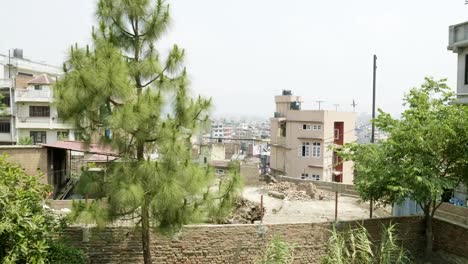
(319,102)
(354,106)
(373,117)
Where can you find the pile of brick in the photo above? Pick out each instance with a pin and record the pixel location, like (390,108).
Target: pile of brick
(245,212)
(296,192)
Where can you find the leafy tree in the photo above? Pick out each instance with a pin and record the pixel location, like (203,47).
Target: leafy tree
(126,93)
(355,246)
(425,154)
(27,230)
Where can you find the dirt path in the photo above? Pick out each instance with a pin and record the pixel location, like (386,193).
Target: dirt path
(284,211)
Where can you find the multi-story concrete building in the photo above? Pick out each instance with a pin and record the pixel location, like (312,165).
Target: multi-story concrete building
(458,43)
(27,91)
(300,141)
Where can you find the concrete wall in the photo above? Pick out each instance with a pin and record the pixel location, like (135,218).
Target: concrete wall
(453,213)
(216,244)
(31,158)
(462,88)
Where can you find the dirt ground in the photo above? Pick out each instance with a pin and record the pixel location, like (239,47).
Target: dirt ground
(312,211)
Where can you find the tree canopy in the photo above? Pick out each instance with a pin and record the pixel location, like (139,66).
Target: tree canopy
(126,93)
(426,152)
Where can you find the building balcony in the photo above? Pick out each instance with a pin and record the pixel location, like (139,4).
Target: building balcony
(41,123)
(23,95)
(5,137)
(6,83)
(279,141)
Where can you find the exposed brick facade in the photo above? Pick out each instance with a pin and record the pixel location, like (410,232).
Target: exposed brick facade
(31,158)
(451,238)
(225,243)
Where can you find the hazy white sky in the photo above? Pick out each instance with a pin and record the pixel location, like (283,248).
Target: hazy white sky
(244,52)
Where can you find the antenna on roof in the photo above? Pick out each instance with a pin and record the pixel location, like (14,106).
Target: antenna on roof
(354,106)
(319,103)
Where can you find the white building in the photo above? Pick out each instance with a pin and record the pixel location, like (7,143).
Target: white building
(27,89)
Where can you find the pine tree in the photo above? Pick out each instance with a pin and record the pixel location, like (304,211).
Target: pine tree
(122,90)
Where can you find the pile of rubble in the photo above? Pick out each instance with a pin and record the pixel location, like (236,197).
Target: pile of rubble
(245,212)
(296,192)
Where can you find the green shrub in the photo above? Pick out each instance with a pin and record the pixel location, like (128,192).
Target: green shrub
(60,253)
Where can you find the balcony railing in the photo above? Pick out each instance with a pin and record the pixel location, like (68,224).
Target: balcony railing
(281,141)
(33,95)
(6,83)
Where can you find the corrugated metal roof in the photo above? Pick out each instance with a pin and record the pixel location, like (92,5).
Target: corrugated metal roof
(82,147)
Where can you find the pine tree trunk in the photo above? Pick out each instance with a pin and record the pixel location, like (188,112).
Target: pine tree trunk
(145,232)
(429,240)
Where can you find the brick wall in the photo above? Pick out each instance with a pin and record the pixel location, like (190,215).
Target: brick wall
(451,237)
(31,158)
(225,243)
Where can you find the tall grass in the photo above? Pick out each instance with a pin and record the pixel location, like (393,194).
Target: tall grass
(356,247)
(277,252)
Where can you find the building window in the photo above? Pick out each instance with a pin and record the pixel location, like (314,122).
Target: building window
(220,171)
(466,69)
(38,137)
(306,127)
(337,134)
(317,127)
(5,127)
(205,160)
(62,135)
(37,87)
(39,111)
(304,176)
(316,150)
(315,177)
(5,100)
(304,150)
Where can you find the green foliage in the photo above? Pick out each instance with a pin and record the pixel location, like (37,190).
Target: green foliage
(60,253)
(425,154)
(228,189)
(355,246)
(277,252)
(25,141)
(124,92)
(27,230)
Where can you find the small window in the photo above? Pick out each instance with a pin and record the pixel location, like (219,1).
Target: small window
(316,150)
(306,127)
(304,150)
(38,137)
(5,127)
(205,160)
(304,176)
(315,177)
(5,100)
(39,111)
(62,135)
(37,87)
(317,127)
(466,69)
(220,171)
